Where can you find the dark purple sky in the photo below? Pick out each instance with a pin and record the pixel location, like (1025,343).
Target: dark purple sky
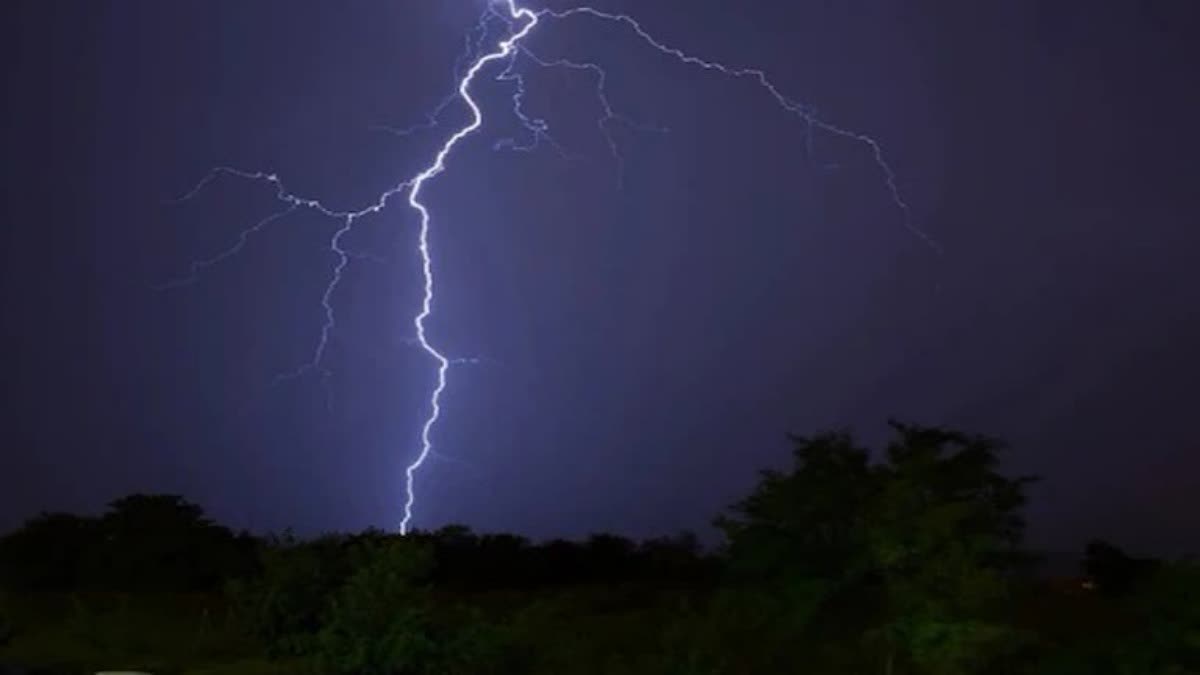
(643,350)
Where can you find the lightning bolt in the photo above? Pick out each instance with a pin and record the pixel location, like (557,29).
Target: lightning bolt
(438,166)
(520,22)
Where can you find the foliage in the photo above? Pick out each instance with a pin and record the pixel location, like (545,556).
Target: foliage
(165,543)
(88,632)
(931,529)
(378,622)
(902,561)
(359,605)
(1167,607)
(7,628)
(250,666)
(148,543)
(284,606)
(1113,571)
(943,528)
(808,522)
(53,551)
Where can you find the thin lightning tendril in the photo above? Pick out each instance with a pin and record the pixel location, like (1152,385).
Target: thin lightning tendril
(538,128)
(805,113)
(610,114)
(198,266)
(472,44)
(520,22)
(343,256)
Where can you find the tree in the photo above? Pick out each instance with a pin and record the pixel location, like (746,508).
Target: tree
(381,621)
(50,552)
(806,523)
(165,543)
(1166,607)
(930,532)
(943,531)
(285,606)
(1112,570)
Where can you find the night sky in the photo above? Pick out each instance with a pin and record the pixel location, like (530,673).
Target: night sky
(642,347)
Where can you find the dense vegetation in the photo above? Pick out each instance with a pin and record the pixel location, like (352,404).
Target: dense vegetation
(901,562)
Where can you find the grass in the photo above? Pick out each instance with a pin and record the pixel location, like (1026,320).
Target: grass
(159,634)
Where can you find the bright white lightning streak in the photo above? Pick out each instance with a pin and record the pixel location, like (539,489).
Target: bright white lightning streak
(504,49)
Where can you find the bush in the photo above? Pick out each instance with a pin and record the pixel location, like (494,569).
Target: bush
(285,605)
(382,621)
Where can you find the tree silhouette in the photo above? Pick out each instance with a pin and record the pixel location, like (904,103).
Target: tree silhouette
(901,560)
(807,522)
(143,542)
(1112,570)
(930,532)
(51,552)
(164,542)
(943,531)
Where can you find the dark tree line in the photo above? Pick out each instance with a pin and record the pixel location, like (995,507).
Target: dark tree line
(904,561)
(165,543)
(142,543)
